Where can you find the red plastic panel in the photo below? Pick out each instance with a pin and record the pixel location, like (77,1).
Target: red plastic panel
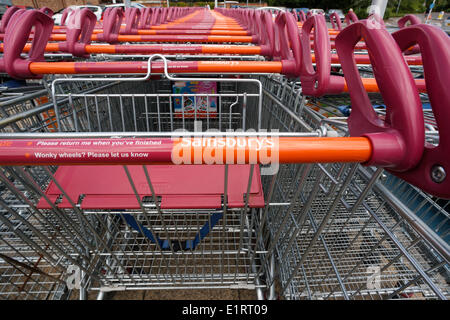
(187,186)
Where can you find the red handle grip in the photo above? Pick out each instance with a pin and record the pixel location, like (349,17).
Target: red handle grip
(144,23)
(132,17)
(397,141)
(351,17)
(265,32)
(7,17)
(112,21)
(336,21)
(65,15)
(47,11)
(412,19)
(287,44)
(80,27)
(302,16)
(317,82)
(16,37)
(432,174)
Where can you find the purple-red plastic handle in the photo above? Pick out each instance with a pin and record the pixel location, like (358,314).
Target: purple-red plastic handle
(435,49)
(47,11)
(351,17)
(7,17)
(132,18)
(302,16)
(336,21)
(158,12)
(264,30)
(112,21)
(155,16)
(65,15)
(13,15)
(412,19)
(79,31)
(398,141)
(287,44)
(144,23)
(317,82)
(16,37)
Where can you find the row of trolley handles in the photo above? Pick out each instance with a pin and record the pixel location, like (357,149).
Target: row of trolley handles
(397,141)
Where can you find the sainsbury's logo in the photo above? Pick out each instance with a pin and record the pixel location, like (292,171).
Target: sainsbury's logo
(238,149)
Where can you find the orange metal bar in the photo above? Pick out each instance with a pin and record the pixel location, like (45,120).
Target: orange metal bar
(240,66)
(247,39)
(206,150)
(190,38)
(52,67)
(212,32)
(208,49)
(370,84)
(289,149)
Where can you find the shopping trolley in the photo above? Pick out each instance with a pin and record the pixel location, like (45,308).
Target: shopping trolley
(140,226)
(353,233)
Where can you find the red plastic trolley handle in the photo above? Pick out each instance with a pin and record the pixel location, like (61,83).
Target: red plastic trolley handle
(169,14)
(47,11)
(112,21)
(351,17)
(402,23)
(65,15)
(412,19)
(144,23)
(249,18)
(154,17)
(264,31)
(79,31)
(16,36)
(317,82)
(13,15)
(7,17)
(132,18)
(159,16)
(302,16)
(165,12)
(398,141)
(432,174)
(287,44)
(336,21)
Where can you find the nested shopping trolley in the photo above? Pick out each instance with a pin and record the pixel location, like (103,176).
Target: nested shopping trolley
(133,227)
(356,232)
(163,182)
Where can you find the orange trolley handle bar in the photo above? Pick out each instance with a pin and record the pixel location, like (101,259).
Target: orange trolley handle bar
(267,150)
(194,49)
(182,67)
(158,38)
(202,150)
